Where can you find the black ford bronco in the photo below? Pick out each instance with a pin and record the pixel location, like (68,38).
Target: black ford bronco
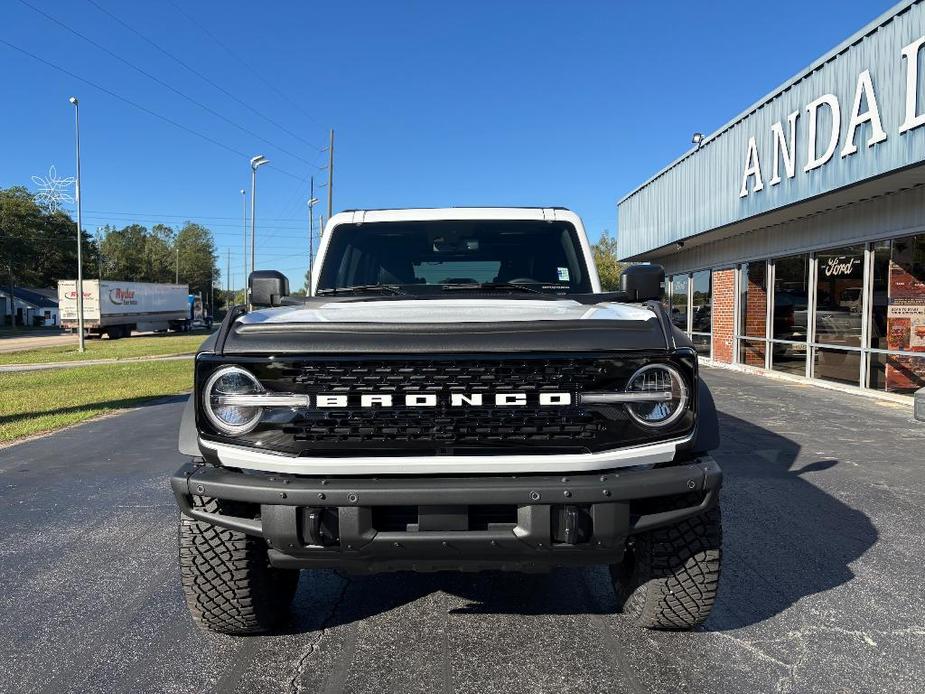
(455,393)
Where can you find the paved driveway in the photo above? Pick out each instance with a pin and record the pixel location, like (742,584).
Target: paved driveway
(821,592)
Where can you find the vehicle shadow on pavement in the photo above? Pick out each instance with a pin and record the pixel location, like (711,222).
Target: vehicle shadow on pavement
(785,538)
(121,404)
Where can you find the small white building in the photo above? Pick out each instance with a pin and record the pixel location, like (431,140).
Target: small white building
(31,306)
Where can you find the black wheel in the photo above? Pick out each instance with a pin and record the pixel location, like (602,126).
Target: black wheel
(669,576)
(227,579)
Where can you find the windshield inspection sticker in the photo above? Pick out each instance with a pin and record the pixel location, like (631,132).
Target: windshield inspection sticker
(562,273)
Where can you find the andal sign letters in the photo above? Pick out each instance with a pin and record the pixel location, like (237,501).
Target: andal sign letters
(823,118)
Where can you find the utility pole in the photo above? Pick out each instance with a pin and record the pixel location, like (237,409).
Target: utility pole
(244,247)
(312,201)
(228,289)
(178,265)
(331,174)
(80,269)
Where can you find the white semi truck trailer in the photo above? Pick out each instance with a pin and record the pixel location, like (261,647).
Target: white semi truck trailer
(117,308)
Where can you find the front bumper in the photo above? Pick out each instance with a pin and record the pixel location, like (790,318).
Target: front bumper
(442,534)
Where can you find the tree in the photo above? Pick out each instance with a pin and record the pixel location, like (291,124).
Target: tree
(39,245)
(605,258)
(124,253)
(198,260)
(160,254)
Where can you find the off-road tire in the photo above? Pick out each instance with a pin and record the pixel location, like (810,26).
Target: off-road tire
(227,579)
(669,576)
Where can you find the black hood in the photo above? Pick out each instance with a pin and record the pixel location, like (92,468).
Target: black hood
(400,325)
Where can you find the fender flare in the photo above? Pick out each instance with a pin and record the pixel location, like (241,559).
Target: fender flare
(706,437)
(189,437)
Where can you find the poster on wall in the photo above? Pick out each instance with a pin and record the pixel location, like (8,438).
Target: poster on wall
(906,326)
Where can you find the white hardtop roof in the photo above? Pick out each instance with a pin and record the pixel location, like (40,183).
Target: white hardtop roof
(430,214)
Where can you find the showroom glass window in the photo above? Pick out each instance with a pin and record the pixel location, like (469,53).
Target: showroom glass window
(701,309)
(897,315)
(753,313)
(790,314)
(839,312)
(679,300)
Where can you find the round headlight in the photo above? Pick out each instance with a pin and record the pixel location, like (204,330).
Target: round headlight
(233,420)
(657,379)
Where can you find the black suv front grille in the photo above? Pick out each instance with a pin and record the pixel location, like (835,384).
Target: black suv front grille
(491,375)
(451,426)
(445,429)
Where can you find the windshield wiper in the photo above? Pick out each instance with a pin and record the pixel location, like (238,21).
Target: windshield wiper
(492,285)
(360,288)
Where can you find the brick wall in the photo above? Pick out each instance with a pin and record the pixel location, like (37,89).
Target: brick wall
(756,321)
(723,314)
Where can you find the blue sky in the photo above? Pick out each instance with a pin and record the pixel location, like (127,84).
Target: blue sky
(433,103)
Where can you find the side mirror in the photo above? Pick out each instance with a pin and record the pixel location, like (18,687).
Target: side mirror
(643,282)
(267,288)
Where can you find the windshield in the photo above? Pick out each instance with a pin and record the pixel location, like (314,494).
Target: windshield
(544,256)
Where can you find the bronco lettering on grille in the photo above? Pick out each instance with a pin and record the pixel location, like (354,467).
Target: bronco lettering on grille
(453,400)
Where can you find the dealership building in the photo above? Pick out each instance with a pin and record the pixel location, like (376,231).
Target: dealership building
(793,238)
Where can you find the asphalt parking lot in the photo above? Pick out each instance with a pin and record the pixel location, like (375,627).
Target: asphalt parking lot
(821,590)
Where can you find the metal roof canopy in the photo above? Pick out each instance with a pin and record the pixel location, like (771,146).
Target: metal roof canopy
(699,191)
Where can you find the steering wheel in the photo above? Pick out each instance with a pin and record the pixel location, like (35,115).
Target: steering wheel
(522,280)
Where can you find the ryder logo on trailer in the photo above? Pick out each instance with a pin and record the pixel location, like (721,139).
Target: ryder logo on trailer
(123,297)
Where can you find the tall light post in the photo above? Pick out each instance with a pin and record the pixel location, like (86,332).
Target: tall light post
(312,201)
(80,270)
(256,163)
(244,238)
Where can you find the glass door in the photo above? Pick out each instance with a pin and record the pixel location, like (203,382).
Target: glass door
(839,315)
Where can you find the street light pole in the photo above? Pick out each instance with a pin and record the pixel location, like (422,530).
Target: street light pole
(256,163)
(244,241)
(80,271)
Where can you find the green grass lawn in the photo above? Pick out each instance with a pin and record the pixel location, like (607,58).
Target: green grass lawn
(32,402)
(157,345)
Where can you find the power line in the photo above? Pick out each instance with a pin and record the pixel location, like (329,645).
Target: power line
(186,216)
(162,82)
(101,220)
(201,76)
(204,221)
(135,104)
(240,60)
